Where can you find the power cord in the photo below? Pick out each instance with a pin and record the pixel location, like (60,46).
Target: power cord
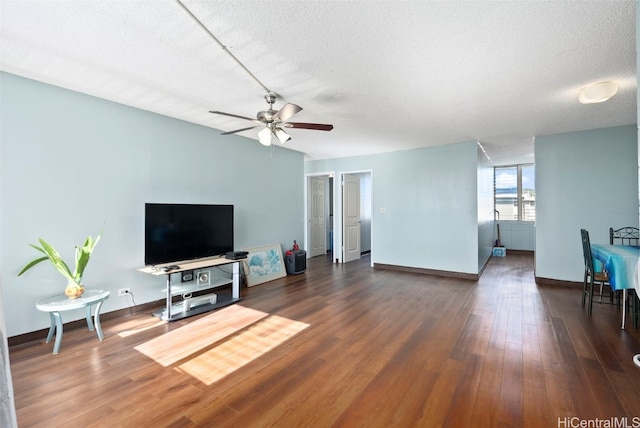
(129,293)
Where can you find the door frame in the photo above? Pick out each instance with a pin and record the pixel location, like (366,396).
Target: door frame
(352,195)
(307,177)
(337,212)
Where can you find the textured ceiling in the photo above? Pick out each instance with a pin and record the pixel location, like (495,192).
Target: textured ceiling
(389,75)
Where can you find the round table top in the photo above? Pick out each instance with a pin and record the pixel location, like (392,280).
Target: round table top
(61,302)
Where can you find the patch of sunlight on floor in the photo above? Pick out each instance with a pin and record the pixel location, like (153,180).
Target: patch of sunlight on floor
(198,336)
(242,348)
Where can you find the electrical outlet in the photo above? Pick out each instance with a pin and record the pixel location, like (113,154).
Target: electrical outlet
(123,291)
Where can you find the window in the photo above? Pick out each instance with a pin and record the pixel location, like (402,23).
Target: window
(515,192)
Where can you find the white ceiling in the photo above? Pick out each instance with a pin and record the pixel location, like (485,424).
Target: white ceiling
(389,75)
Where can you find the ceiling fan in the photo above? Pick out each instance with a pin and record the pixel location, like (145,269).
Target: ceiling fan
(273,121)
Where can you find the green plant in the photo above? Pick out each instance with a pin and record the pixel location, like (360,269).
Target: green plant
(82,256)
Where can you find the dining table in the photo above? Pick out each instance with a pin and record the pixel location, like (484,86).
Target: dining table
(621,264)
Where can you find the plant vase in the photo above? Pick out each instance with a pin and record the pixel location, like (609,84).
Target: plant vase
(73,290)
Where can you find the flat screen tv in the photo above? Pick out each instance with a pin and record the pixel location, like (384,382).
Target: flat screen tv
(177,232)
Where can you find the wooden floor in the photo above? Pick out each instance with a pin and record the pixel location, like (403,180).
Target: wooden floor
(349,345)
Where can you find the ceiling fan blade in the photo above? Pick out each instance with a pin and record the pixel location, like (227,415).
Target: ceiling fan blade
(240,130)
(316,126)
(233,115)
(286,112)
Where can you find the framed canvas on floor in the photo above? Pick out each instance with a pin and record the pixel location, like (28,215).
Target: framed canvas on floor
(264,264)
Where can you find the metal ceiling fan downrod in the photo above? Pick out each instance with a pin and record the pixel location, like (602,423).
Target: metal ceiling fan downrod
(267,116)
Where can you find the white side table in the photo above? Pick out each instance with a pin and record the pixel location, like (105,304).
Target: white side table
(56,304)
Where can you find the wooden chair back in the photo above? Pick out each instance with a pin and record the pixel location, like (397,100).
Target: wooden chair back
(586,251)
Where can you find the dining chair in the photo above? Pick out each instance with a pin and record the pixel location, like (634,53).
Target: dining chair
(590,275)
(628,235)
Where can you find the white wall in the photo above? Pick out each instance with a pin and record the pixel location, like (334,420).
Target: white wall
(518,235)
(72,163)
(429,199)
(587,180)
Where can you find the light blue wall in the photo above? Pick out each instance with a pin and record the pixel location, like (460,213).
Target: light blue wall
(585,180)
(71,163)
(486,224)
(430,202)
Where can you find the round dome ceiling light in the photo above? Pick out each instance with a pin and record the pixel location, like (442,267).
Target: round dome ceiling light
(598,92)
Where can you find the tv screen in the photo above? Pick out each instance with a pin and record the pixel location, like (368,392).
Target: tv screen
(176,232)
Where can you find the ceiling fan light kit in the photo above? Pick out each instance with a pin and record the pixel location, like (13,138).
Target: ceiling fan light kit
(281,135)
(264,136)
(598,92)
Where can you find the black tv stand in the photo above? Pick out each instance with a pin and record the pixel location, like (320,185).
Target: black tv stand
(174,312)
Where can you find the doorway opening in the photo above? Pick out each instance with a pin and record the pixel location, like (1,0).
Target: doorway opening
(326,212)
(319,224)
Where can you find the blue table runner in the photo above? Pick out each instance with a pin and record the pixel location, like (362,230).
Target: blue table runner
(619,261)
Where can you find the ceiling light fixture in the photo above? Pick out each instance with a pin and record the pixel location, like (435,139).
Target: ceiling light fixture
(598,92)
(264,136)
(282,136)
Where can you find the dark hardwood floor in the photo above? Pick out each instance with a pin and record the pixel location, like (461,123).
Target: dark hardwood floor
(382,349)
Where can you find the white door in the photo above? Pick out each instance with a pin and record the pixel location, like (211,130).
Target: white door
(351,217)
(317,220)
